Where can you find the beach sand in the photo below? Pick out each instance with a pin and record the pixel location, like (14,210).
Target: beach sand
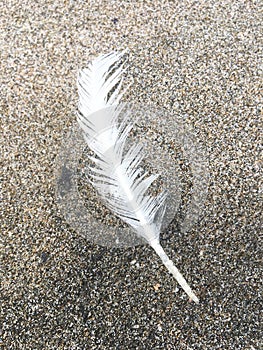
(198,59)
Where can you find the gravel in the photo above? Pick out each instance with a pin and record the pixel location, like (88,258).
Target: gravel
(198,59)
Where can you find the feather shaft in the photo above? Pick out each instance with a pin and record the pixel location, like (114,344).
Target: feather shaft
(173,270)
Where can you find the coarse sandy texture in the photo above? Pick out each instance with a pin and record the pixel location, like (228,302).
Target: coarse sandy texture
(59,291)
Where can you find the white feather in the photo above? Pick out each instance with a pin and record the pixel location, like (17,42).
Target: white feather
(116,174)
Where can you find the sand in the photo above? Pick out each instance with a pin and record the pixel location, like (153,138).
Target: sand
(197,59)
